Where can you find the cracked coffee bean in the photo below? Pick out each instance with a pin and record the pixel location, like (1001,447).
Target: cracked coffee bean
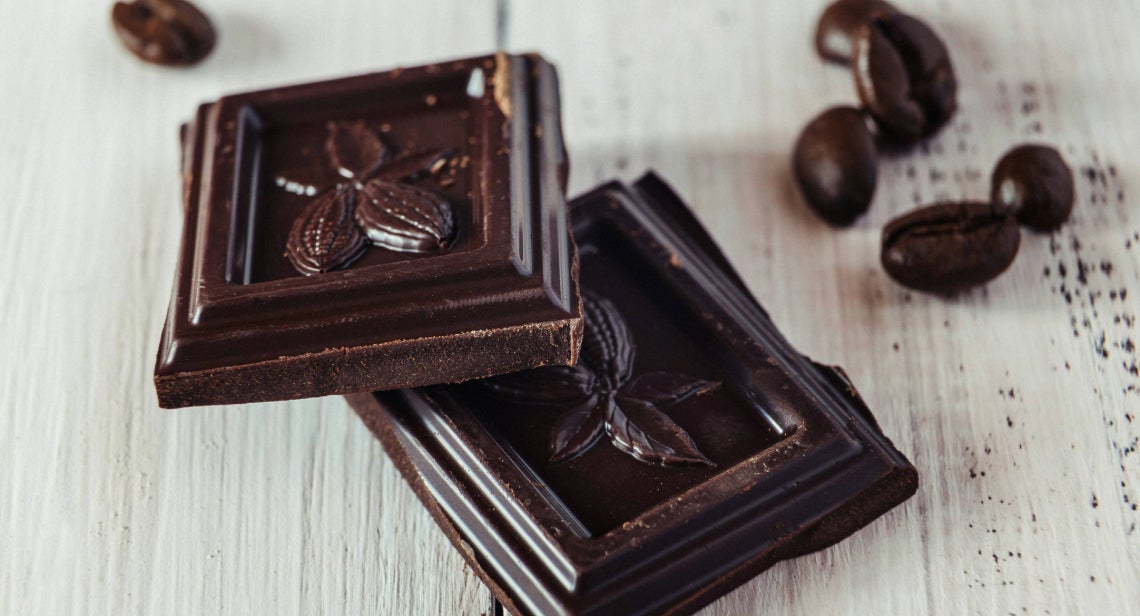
(904,76)
(836,166)
(835,32)
(950,247)
(166,32)
(1033,183)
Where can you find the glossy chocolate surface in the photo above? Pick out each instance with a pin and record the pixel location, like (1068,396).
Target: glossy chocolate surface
(390,230)
(690,449)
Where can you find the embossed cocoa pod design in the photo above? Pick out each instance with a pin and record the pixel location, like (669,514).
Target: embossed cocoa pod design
(599,396)
(641,430)
(607,345)
(382,207)
(570,388)
(167,32)
(576,430)
(404,218)
(325,236)
(411,167)
(355,149)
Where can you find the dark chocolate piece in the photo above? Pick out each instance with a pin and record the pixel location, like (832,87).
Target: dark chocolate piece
(692,448)
(1033,183)
(836,165)
(390,230)
(166,32)
(950,247)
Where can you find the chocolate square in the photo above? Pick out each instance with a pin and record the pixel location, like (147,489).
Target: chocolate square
(691,448)
(390,230)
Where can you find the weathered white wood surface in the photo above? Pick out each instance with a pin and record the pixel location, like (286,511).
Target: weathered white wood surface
(1018,402)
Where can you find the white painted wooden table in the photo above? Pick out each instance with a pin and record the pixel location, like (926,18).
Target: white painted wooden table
(1018,402)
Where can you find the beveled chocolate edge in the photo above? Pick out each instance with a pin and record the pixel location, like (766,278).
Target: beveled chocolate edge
(559,253)
(372,415)
(549,248)
(543,333)
(504,563)
(226,112)
(655,191)
(291,298)
(878,467)
(359,284)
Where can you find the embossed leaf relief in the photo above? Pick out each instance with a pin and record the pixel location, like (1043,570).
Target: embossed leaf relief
(327,235)
(601,395)
(374,204)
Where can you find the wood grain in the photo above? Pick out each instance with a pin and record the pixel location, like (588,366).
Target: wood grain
(1018,402)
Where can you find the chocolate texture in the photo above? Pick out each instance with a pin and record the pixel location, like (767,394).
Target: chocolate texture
(690,449)
(389,230)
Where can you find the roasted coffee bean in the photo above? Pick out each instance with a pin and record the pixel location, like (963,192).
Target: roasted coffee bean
(1033,183)
(835,32)
(836,166)
(167,32)
(950,246)
(904,76)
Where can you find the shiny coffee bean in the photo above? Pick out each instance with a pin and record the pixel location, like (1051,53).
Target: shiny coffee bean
(835,32)
(1033,183)
(904,76)
(949,247)
(167,32)
(836,166)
